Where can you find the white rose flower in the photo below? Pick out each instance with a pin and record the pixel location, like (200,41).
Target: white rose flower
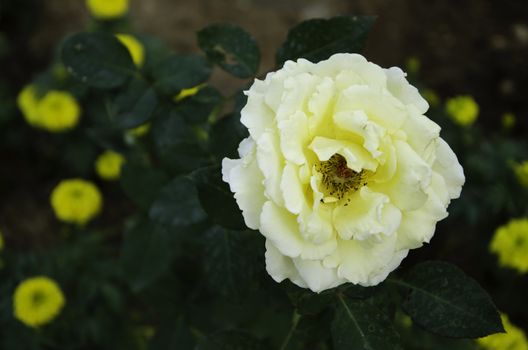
(342,172)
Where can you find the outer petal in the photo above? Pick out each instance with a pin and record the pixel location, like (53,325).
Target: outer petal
(256,115)
(270,163)
(402,90)
(449,168)
(245,180)
(368,262)
(281,267)
(418,226)
(422,134)
(368,213)
(316,276)
(316,224)
(338,63)
(281,229)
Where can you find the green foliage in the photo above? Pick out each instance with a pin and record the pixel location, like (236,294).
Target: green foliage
(142,183)
(359,325)
(176,143)
(232,48)
(443,300)
(232,260)
(170,263)
(226,135)
(216,198)
(135,106)
(198,108)
(174,335)
(97,59)
(146,253)
(179,72)
(177,204)
(318,39)
(231,340)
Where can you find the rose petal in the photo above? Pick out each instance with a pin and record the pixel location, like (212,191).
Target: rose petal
(245,180)
(368,262)
(381,108)
(281,228)
(402,90)
(357,157)
(368,213)
(407,187)
(270,162)
(448,166)
(281,267)
(316,276)
(294,137)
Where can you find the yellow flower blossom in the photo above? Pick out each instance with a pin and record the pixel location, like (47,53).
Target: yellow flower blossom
(521,172)
(432,97)
(135,48)
(1,241)
(107,9)
(188,92)
(508,120)
(58,111)
(27,102)
(37,301)
(513,339)
(139,131)
(76,201)
(510,243)
(343,196)
(108,165)
(463,110)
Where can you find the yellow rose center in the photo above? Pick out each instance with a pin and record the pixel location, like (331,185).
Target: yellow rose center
(76,193)
(38,298)
(338,179)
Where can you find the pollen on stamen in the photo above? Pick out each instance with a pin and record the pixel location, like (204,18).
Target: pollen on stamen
(338,179)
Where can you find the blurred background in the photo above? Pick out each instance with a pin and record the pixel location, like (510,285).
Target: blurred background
(477,48)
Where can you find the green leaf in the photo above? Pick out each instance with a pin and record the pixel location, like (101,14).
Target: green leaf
(231,260)
(176,143)
(216,198)
(359,325)
(156,50)
(146,254)
(142,183)
(308,332)
(232,48)
(181,72)
(307,302)
(172,335)
(318,39)
(226,135)
(97,59)
(135,105)
(445,301)
(231,340)
(197,109)
(177,204)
